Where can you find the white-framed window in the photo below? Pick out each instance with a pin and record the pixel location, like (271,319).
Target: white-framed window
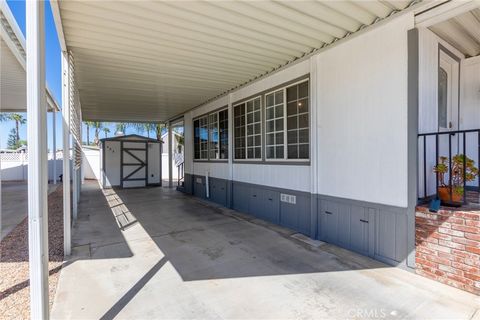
(248,129)
(211,136)
(287,123)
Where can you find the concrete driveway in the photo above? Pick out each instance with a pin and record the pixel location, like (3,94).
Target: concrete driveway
(14,204)
(156,253)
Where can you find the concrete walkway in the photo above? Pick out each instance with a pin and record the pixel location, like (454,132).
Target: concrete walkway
(156,253)
(15,204)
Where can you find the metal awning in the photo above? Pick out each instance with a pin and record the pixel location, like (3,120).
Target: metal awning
(12,65)
(152,60)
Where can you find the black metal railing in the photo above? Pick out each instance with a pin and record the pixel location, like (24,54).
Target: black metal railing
(460,137)
(180,173)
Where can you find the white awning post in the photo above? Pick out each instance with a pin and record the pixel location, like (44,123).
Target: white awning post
(74,183)
(170,156)
(37,158)
(54,147)
(67,240)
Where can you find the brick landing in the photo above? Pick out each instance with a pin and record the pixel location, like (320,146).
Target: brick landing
(448,247)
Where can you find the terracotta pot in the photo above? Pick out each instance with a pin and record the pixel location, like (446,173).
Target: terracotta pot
(444,195)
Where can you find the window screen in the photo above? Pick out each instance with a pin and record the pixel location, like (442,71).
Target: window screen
(254,129)
(213,136)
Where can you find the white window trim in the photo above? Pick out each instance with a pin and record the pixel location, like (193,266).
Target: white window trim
(245,136)
(218,130)
(207,115)
(285,130)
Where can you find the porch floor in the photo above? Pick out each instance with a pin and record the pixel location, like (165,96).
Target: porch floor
(157,253)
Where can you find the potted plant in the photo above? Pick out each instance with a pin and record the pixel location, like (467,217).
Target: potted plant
(453,193)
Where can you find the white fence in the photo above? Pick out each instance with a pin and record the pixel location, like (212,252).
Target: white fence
(14,166)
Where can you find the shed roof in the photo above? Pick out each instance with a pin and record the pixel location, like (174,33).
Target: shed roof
(131,137)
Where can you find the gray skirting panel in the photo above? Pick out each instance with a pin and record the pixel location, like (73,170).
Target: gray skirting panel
(375,230)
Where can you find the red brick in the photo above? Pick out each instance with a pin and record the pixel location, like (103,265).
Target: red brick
(437,247)
(439,260)
(455,220)
(450,244)
(472,236)
(475,277)
(473,223)
(455,233)
(465,228)
(473,290)
(427,274)
(467,215)
(437,235)
(448,256)
(460,279)
(465,254)
(473,249)
(467,242)
(466,268)
(451,270)
(471,262)
(425,250)
(427,263)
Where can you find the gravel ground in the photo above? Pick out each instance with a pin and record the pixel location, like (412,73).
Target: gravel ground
(14,280)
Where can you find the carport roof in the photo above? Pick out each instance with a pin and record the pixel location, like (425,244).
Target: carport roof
(153,60)
(12,65)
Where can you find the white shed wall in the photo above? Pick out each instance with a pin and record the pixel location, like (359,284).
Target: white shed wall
(112,164)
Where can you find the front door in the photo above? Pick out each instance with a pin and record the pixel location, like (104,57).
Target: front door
(448,102)
(448,92)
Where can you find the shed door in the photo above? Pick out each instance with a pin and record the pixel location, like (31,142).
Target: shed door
(134,164)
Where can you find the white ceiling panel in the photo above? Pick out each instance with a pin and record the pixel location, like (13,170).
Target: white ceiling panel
(462,32)
(152,60)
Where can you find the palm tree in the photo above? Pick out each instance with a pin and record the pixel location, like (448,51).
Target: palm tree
(88,124)
(158,131)
(148,127)
(106,131)
(19,120)
(3,117)
(98,126)
(121,127)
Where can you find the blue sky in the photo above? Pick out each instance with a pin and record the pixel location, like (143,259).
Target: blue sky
(53,66)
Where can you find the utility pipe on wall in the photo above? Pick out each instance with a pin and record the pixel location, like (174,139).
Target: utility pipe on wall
(207,188)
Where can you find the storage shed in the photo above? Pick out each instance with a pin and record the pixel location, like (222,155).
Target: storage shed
(131,161)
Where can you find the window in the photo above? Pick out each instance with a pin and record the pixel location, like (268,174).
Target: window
(442,98)
(287,123)
(201,138)
(211,136)
(274,125)
(297,121)
(223,131)
(248,129)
